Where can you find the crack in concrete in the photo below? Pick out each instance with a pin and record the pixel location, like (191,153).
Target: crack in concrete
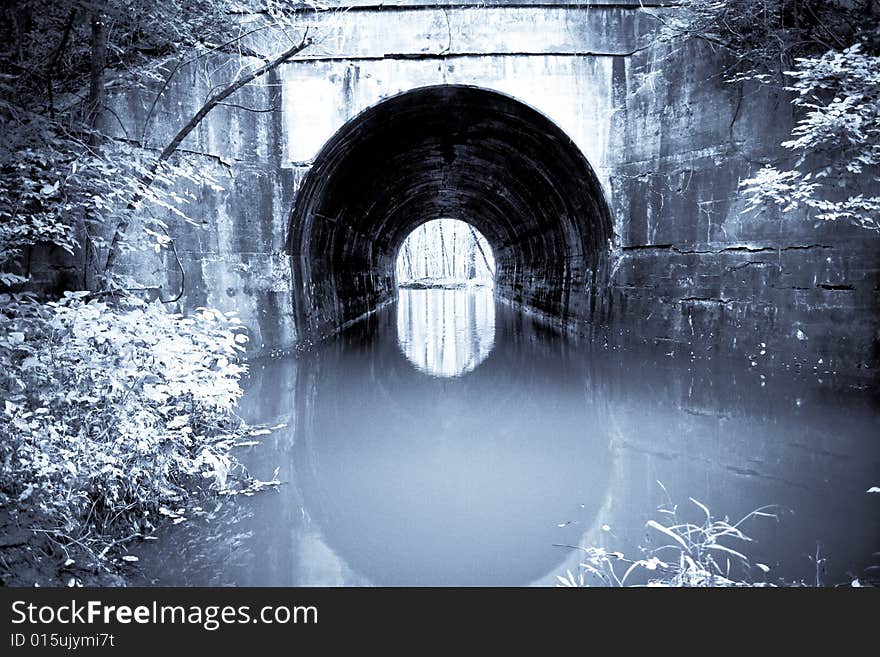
(749,263)
(726,249)
(400,7)
(835,287)
(706,300)
(402,56)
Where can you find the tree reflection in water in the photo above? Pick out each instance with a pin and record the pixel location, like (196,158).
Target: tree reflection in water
(446,333)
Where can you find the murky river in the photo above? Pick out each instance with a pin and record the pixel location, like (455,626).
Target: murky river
(452,440)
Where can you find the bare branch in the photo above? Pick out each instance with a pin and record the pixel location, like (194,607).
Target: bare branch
(184,132)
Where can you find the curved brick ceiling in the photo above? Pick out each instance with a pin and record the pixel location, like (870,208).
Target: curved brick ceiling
(445,152)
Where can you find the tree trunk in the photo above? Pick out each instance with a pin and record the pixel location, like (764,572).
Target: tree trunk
(482,253)
(443,257)
(454,270)
(56,59)
(96,75)
(94,103)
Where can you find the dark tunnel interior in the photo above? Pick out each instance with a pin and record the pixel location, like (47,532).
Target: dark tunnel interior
(455,152)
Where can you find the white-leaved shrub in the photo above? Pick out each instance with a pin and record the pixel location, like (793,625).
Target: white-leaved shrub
(111,416)
(836,141)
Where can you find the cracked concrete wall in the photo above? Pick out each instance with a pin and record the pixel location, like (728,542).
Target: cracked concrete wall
(668,138)
(232,256)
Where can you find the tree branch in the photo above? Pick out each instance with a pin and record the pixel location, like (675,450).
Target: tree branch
(212,102)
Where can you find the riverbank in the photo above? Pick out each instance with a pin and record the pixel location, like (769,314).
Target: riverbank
(30,558)
(118,418)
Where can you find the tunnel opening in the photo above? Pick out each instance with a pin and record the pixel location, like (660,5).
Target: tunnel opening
(446,332)
(445,253)
(445,307)
(455,152)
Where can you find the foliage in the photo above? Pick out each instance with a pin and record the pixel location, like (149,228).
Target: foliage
(113,417)
(63,179)
(115,412)
(765,37)
(52,184)
(60,178)
(826,53)
(836,139)
(138,34)
(697,555)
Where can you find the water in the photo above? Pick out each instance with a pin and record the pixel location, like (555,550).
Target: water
(451,440)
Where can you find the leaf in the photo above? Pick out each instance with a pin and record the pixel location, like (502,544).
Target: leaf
(874,489)
(26,493)
(178,422)
(718,546)
(653,524)
(129,557)
(703,507)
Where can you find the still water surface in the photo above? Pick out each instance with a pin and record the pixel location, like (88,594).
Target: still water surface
(452,440)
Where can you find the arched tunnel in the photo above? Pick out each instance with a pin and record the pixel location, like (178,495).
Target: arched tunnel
(455,152)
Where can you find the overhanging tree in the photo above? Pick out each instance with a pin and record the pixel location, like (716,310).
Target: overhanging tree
(63,181)
(826,54)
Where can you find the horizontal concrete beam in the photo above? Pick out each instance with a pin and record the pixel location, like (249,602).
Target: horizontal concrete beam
(461,30)
(375,5)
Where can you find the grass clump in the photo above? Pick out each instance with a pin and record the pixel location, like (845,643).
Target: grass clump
(705,554)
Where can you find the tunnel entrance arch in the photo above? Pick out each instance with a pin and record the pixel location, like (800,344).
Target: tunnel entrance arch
(448,151)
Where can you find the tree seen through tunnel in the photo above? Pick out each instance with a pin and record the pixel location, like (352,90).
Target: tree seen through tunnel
(445,252)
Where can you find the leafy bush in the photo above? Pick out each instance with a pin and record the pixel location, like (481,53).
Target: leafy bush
(836,139)
(114,416)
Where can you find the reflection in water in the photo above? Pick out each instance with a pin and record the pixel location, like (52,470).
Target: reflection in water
(446,332)
(416,480)
(398,476)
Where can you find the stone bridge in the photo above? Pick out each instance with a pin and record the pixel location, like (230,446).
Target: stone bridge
(600,160)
